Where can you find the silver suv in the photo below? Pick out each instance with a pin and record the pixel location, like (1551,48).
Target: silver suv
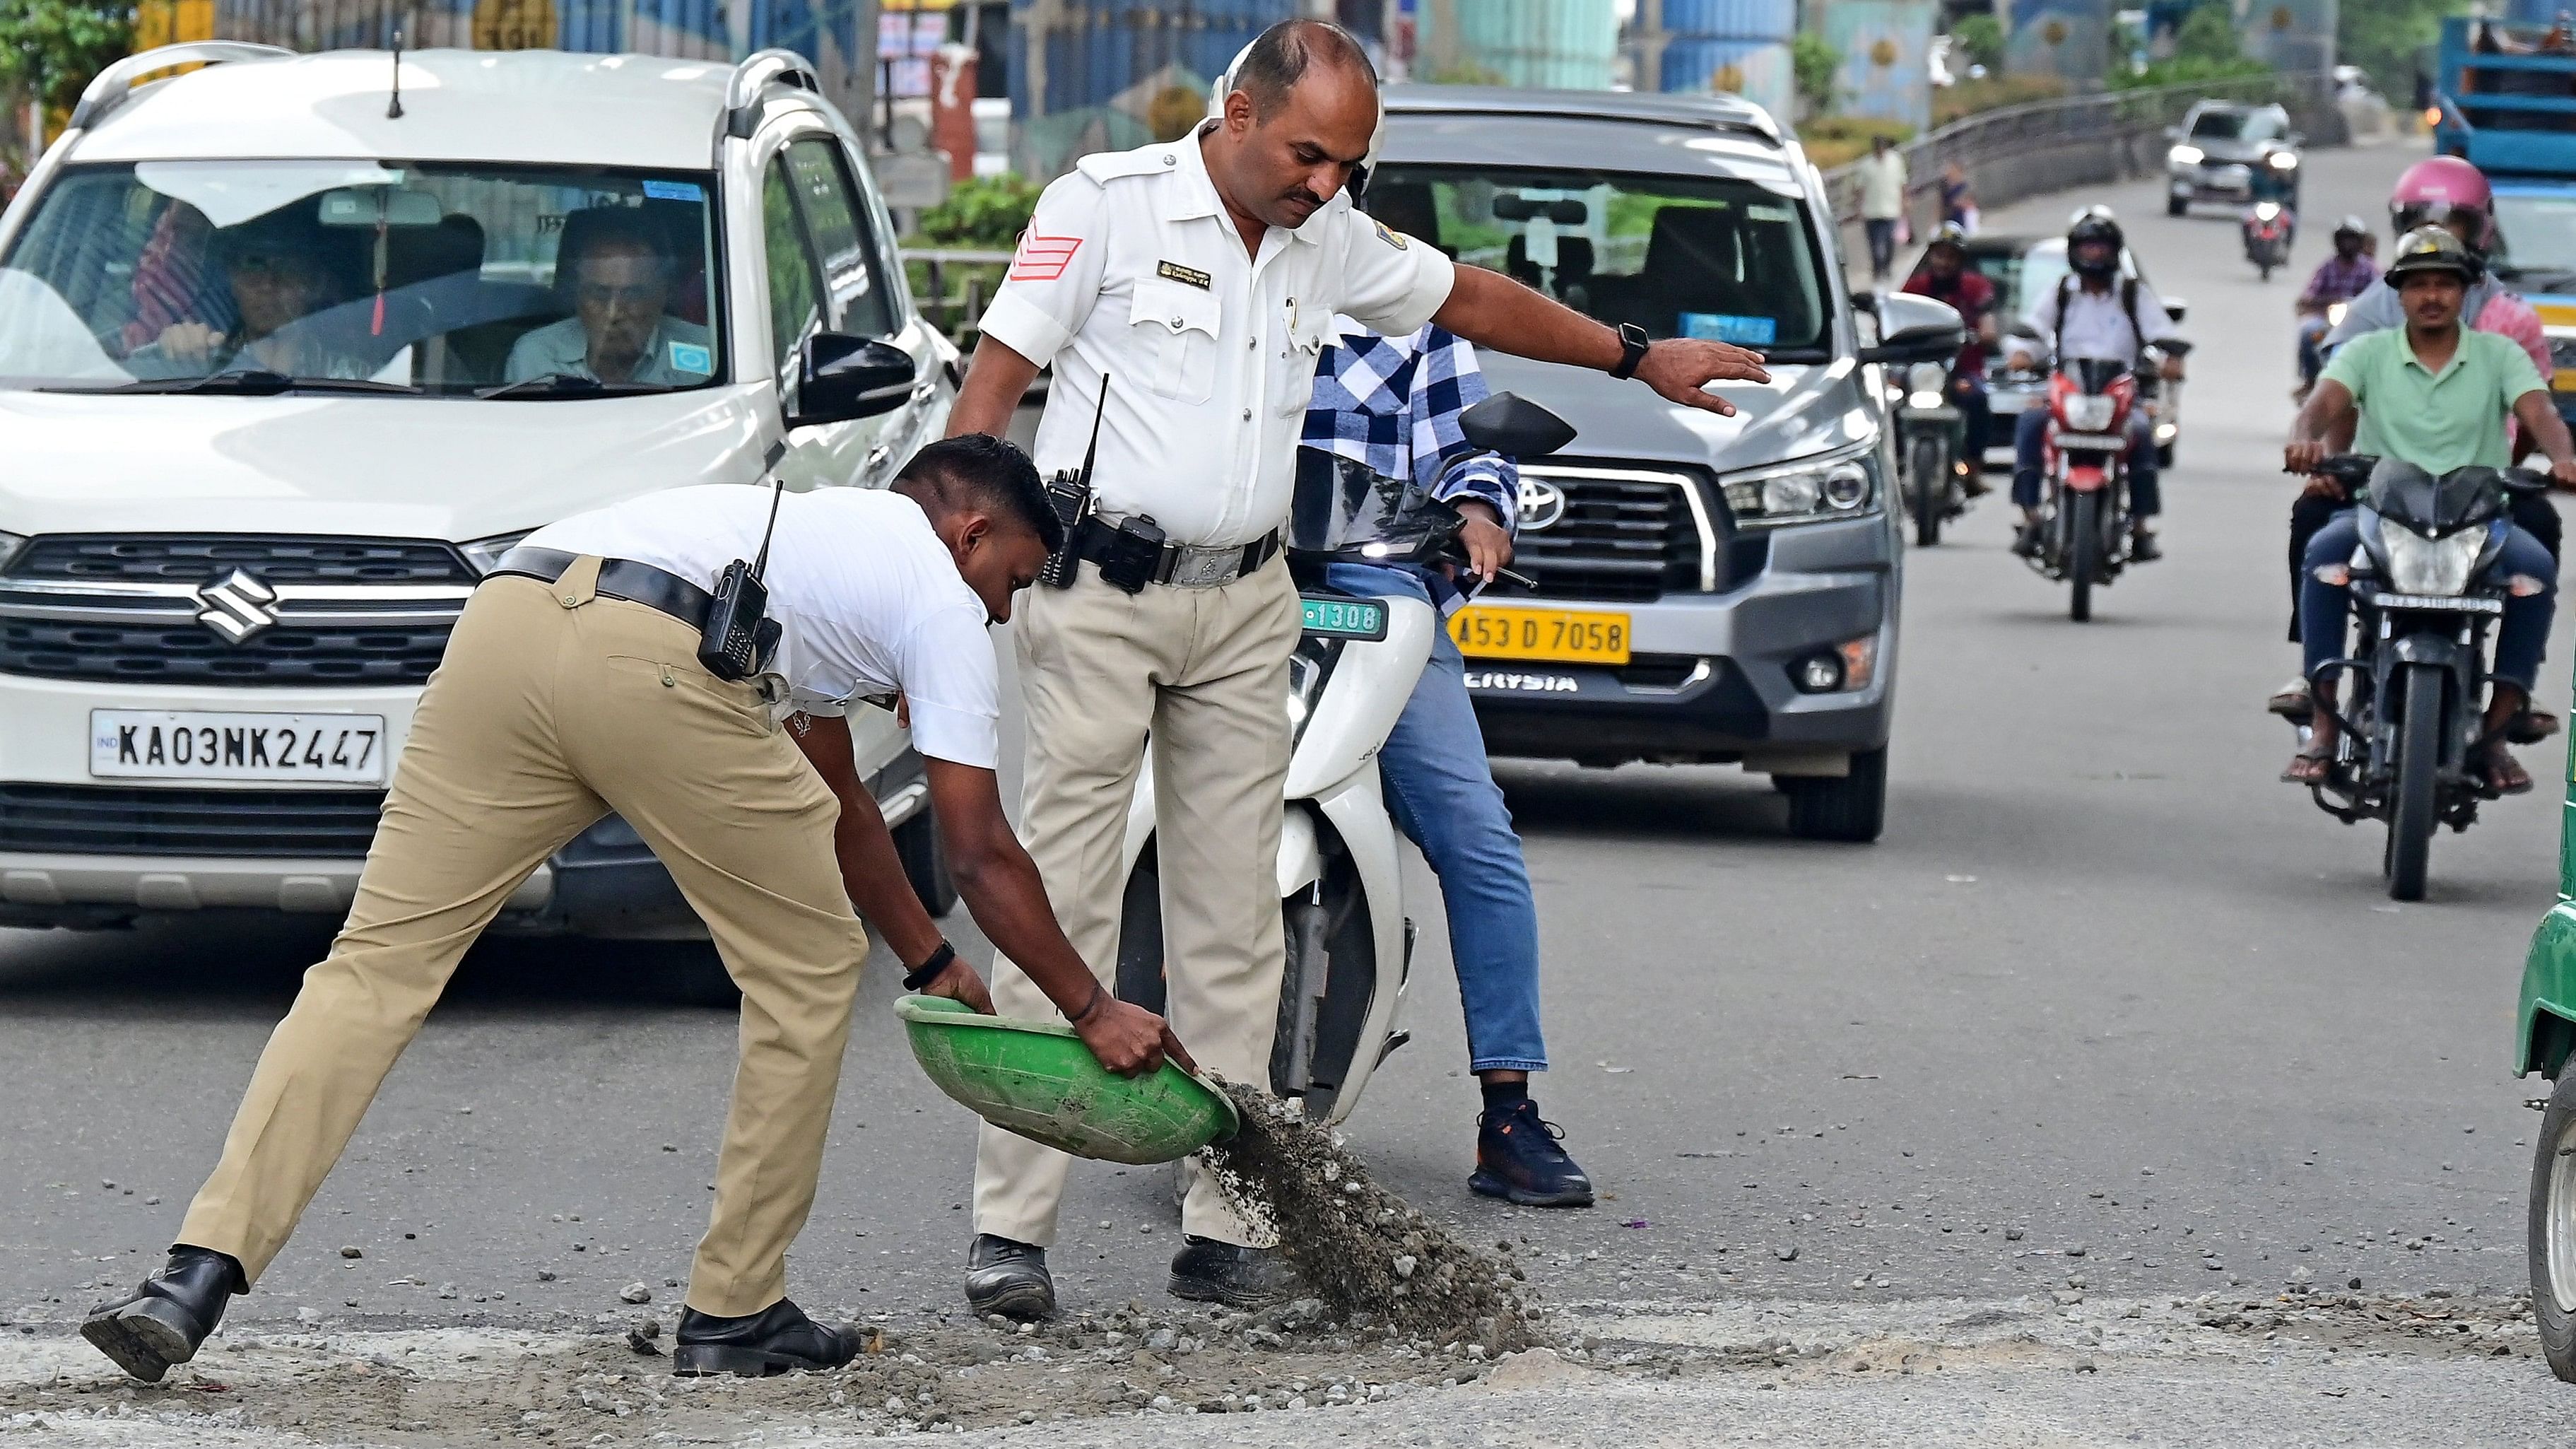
(1709,590)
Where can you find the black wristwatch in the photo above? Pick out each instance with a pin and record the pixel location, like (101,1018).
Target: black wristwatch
(1633,343)
(928,971)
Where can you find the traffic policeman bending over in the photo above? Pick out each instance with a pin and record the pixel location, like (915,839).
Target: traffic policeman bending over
(1183,293)
(572,687)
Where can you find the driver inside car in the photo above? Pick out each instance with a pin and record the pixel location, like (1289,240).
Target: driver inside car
(619,284)
(2435,394)
(278,271)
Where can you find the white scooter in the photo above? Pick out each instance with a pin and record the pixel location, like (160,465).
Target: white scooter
(1350,944)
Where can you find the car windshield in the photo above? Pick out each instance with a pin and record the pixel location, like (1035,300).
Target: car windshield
(1708,257)
(400,276)
(2535,235)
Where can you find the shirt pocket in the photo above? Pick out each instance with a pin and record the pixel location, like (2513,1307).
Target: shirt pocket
(1292,377)
(1176,331)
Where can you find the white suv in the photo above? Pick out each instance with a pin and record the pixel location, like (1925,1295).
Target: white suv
(288,359)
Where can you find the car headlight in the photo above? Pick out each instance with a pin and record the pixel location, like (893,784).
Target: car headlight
(485,553)
(1793,492)
(2433,566)
(10,543)
(2186,156)
(2283,160)
(2089,412)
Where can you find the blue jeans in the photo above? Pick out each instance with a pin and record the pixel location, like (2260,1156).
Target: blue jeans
(1441,791)
(2030,444)
(2520,640)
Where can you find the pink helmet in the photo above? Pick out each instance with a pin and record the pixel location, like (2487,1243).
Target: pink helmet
(2441,189)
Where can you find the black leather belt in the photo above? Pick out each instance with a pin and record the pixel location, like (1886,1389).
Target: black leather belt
(1181,564)
(619,578)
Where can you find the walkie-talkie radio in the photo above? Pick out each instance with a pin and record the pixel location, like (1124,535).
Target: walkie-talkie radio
(739,634)
(1069,493)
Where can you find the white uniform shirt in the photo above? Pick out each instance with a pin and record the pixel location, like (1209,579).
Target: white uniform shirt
(868,600)
(1882,186)
(2097,325)
(1131,268)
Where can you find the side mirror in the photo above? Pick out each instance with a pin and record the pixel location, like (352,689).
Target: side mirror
(2174,309)
(1514,427)
(1916,329)
(840,379)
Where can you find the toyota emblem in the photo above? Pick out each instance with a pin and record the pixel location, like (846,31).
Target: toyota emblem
(1541,504)
(237,605)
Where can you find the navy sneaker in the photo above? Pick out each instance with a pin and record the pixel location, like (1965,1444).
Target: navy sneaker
(1518,1159)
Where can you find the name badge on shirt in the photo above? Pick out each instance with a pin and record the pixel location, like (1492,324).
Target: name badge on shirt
(1187,276)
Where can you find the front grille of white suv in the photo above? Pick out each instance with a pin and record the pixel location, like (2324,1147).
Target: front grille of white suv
(230,609)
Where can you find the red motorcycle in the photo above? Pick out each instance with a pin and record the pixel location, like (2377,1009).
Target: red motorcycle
(2084,512)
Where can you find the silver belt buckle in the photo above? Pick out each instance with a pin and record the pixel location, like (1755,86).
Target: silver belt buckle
(1205,568)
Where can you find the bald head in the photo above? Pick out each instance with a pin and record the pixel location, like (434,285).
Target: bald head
(1287,51)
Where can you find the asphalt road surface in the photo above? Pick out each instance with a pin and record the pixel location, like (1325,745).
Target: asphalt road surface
(2106,1004)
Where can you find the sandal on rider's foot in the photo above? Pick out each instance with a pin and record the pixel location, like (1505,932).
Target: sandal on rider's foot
(2293,702)
(2531,727)
(2310,766)
(2504,774)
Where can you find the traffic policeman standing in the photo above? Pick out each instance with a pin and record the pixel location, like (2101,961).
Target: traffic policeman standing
(571,687)
(1183,293)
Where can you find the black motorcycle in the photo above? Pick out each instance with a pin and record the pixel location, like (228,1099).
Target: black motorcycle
(1932,433)
(2425,595)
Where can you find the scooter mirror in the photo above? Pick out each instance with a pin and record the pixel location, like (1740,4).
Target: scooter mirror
(1515,427)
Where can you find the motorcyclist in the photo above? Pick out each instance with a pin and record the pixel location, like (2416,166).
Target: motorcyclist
(2448,192)
(1945,276)
(2340,278)
(2094,313)
(2434,394)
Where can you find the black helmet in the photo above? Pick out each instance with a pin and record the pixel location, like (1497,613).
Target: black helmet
(2434,249)
(2095,225)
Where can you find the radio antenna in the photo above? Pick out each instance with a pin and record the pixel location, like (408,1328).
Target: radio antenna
(393,108)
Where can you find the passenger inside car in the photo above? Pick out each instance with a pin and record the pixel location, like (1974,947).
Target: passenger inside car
(615,271)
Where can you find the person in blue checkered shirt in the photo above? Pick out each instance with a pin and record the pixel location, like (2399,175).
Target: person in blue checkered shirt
(1392,405)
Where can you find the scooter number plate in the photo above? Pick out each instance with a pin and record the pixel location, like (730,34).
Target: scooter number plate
(1569,636)
(1345,618)
(2442,603)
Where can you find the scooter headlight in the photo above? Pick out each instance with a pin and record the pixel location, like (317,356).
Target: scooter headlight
(2089,412)
(1926,377)
(2432,566)
(1308,668)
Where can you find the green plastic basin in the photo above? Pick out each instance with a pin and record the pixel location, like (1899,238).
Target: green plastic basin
(1036,1078)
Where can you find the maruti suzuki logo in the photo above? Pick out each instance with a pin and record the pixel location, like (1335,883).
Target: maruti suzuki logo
(1541,504)
(237,606)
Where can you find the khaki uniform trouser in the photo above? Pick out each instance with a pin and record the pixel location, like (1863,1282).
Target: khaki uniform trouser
(552,708)
(1206,672)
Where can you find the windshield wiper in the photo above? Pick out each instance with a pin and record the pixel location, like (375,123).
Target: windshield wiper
(566,384)
(246,382)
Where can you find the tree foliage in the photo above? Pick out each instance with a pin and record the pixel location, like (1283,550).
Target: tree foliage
(2208,36)
(1814,67)
(54,47)
(988,212)
(1982,37)
(2384,38)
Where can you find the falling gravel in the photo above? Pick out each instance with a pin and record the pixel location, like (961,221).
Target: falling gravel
(1365,1252)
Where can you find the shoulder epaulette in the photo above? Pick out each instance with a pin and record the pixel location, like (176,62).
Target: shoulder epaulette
(1104,167)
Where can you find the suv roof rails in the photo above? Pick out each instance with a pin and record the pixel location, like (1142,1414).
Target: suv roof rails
(111,86)
(758,72)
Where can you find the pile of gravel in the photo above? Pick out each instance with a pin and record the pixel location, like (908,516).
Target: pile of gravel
(1363,1251)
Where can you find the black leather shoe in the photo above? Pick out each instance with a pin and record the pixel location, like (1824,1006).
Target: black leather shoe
(1208,1271)
(1519,1159)
(1010,1278)
(166,1318)
(2143,547)
(773,1341)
